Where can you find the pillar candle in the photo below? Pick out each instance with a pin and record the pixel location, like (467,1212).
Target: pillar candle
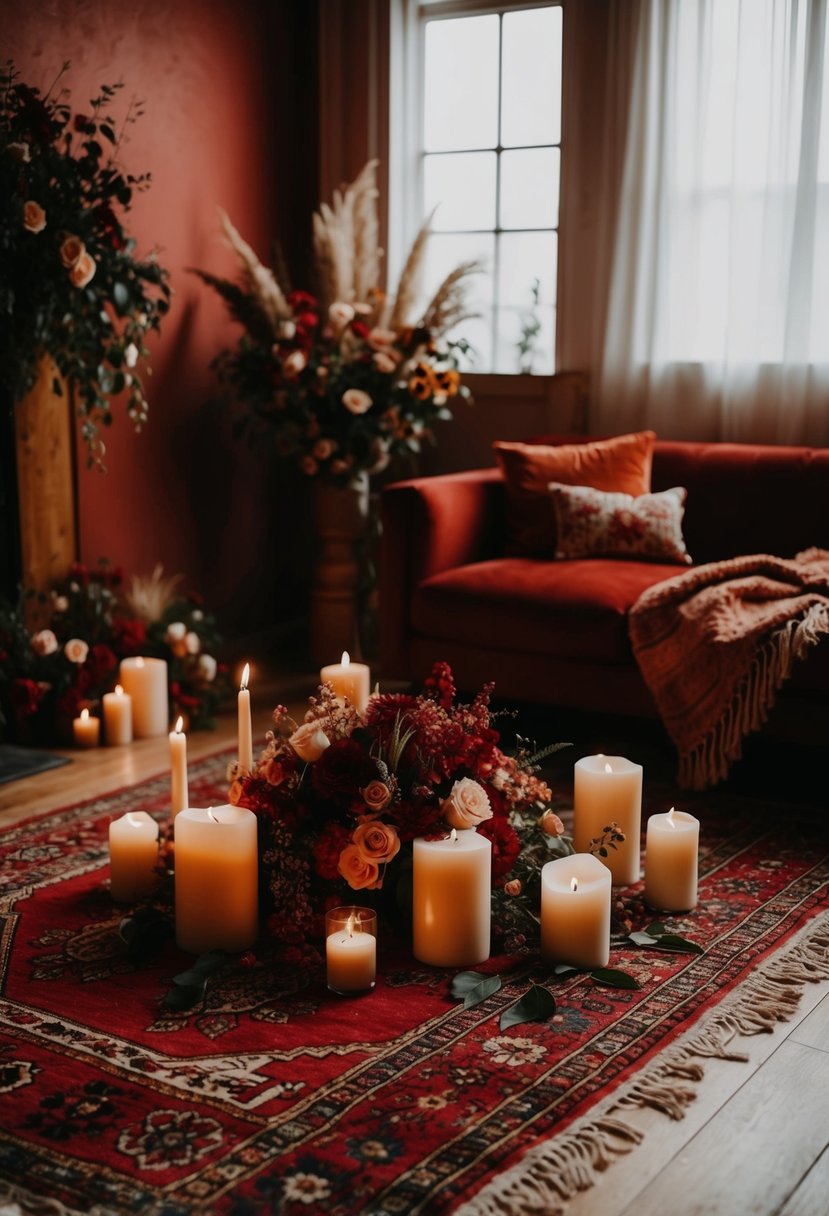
(133,856)
(575,911)
(86,730)
(117,717)
(671,848)
(145,680)
(451,889)
(245,728)
(216,879)
(351,680)
(179,796)
(350,949)
(609,788)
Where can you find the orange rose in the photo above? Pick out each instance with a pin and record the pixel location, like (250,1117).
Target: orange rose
(376,796)
(377,842)
(551,824)
(34,217)
(356,401)
(83,271)
(70,250)
(359,873)
(513,887)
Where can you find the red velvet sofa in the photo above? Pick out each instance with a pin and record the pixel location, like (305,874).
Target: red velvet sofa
(555,631)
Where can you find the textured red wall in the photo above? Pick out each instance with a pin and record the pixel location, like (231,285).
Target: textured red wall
(229,92)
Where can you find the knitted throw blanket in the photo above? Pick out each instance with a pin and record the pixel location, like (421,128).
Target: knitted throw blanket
(714,646)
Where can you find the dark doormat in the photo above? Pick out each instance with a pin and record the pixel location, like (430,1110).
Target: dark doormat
(16,762)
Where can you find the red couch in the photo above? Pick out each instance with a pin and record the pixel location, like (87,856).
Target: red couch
(556,631)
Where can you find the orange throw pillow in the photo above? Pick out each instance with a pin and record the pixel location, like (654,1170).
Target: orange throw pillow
(621,464)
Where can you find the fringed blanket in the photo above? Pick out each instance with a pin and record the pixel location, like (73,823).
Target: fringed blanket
(714,646)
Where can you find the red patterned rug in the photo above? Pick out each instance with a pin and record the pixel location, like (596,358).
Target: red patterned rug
(274,1095)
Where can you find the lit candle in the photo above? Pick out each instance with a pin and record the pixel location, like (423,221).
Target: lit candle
(216,877)
(451,888)
(671,849)
(575,911)
(350,949)
(145,680)
(117,717)
(351,680)
(86,730)
(245,728)
(609,788)
(179,796)
(133,856)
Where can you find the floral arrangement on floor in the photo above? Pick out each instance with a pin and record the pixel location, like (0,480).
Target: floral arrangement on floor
(340,797)
(88,623)
(349,376)
(70,283)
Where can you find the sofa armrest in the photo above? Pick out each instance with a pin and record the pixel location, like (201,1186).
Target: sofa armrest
(431,524)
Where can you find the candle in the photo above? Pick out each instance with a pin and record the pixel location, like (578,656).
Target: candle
(216,878)
(671,846)
(179,796)
(351,680)
(86,730)
(350,949)
(609,788)
(133,856)
(575,911)
(146,682)
(245,729)
(117,717)
(451,885)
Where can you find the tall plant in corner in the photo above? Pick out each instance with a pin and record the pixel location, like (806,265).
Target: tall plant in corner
(71,285)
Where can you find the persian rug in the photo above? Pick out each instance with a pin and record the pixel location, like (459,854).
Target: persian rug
(274,1095)
(715,644)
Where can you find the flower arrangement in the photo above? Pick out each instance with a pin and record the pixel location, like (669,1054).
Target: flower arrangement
(349,376)
(89,623)
(70,283)
(340,797)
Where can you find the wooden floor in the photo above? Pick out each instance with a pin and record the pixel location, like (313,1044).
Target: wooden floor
(755,1142)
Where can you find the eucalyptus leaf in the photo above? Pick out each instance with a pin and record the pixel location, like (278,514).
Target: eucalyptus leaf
(614,978)
(564,968)
(189,986)
(672,941)
(464,981)
(641,938)
(536,1005)
(656,928)
(486,988)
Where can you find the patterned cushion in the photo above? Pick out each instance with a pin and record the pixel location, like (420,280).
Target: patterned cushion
(592,523)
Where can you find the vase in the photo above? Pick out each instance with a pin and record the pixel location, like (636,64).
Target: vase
(341,517)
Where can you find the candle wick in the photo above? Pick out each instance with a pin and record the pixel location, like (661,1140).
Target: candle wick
(454,836)
(574,884)
(211,816)
(671,817)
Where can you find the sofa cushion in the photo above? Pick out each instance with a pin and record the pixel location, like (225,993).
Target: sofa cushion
(593,523)
(577,609)
(622,463)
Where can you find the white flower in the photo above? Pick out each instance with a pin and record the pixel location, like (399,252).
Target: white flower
(514,1052)
(192,642)
(305,1188)
(309,741)
(294,363)
(175,632)
(76,650)
(207,667)
(356,401)
(286,330)
(384,362)
(197,615)
(131,355)
(60,603)
(340,313)
(44,642)
(467,804)
(379,339)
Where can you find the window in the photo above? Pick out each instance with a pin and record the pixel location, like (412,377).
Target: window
(489,165)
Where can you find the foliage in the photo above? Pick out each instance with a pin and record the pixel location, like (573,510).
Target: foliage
(71,285)
(530,329)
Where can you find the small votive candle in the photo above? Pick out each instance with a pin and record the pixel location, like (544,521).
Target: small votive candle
(86,730)
(575,911)
(671,861)
(117,717)
(349,680)
(133,856)
(351,950)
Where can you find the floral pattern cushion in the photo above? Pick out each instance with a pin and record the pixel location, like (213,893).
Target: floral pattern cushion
(593,523)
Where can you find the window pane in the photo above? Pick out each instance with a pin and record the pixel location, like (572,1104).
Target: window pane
(537,358)
(443,254)
(524,257)
(531,77)
(460,83)
(529,188)
(462,187)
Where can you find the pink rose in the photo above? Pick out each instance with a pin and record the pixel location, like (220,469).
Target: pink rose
(45,642)
(551,824)
(34,217)
(70,250)
(272,771)
(377,841)
(359,873)
(467,805)
(83,271)
(376,796)
(379,338)
(76,650)
(192,642)
(356,401)
(309,741)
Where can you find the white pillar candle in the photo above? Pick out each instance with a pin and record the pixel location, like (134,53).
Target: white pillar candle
(216,879)
(671,861)
(133,856)
(145,680)
(117,717)
(86,730)
(451,889)
(575,911)
(244,721)
(351,680)
(179,796)
(350,949)
(609,788)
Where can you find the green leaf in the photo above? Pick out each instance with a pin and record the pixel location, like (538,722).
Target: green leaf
(656,928)
(564,968)
(536,1005)
(672,941)
(473,987)
(189,986)
(120,297)
(463,982)
(641,938)
(613,978)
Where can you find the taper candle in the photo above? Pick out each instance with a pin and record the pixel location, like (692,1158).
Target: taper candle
(245,727)
(179,796)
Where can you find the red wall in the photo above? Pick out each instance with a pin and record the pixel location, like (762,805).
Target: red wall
(229,91)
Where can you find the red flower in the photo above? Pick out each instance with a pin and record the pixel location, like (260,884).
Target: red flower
(505,845)
(307,320)
(128,635)
(26,697)
(342,768)
(327,850)
(299,300)
(359,328)
(100,663)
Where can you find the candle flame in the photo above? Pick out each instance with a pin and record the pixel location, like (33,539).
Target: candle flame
(454,836)
(345,660)
(119,692)
(139,662)
(350,923)
(671,820)
(608,768)
(179,725)
(245,677)
(574,884)
(211,816)
(84,715)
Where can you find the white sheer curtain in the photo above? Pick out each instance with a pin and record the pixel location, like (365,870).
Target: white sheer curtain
(715,322)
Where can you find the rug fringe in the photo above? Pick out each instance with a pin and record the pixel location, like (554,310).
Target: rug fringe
(553,1172)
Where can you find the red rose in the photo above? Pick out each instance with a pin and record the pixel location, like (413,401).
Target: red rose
(128,635)
(505,844)
(359,329)
(100,663)
(300,300)
(343,769)
(327,850)
(26,697)
(307,320)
